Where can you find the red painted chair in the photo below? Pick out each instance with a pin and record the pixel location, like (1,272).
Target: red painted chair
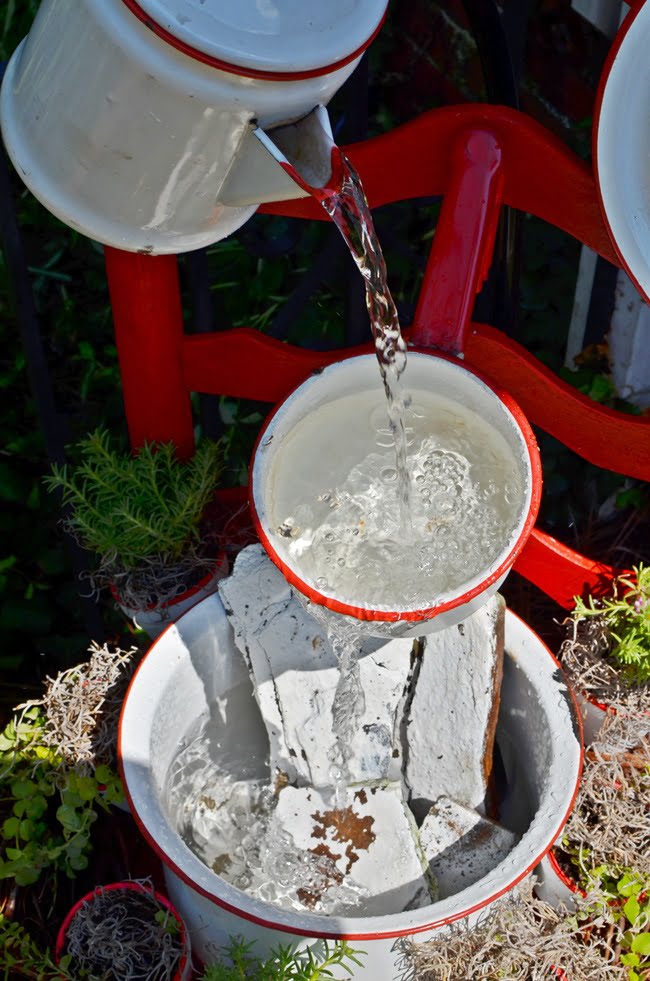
(479,158)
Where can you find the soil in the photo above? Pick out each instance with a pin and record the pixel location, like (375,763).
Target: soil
(565,863)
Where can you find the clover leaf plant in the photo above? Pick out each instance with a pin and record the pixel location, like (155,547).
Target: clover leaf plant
(47,806)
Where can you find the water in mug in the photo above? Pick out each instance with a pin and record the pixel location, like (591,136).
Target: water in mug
(337,514)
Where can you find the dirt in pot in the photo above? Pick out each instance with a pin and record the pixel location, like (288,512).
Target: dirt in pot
(585,656)
(521,939)
(609,821)
(124,934)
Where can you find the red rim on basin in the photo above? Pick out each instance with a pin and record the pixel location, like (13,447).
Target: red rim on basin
(414,616)
(562,876)
(145,820)
(127,886)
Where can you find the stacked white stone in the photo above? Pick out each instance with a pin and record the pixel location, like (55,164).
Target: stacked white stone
(295,673)
(427,732)
(453,713)
(368,842)
(461,846)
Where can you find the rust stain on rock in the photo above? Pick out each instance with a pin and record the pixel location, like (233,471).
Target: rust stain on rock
(328,870)
(346,826)
(324,851)
(221,864)
(491,728)
(281,781)
(307,898)
(352,857)
(361,795)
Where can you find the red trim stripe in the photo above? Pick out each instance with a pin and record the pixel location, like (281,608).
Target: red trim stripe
(226,66)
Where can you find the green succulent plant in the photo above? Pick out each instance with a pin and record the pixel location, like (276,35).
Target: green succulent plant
(283,964)
(141,515)
(623,904)
(21,957)
(626,615)
(130,507)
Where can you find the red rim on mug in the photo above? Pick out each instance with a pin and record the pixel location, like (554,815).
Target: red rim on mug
(438,369)
(231,67)
(127,886)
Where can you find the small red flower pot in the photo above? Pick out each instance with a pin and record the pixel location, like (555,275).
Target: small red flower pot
(554,886)
(184,969)
(155,619)
(595,713)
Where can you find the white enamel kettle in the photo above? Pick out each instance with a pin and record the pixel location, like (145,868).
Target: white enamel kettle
(134,121)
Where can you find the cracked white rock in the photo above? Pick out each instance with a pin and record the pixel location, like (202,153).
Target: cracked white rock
(367,844)
(295,674)
(461,846)
(453,713)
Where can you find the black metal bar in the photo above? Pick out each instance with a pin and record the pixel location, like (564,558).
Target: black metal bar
(52,424)
(514,20)
(501,83)
(203,321)
(324,264)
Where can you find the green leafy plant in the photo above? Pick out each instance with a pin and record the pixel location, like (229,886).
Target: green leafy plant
(47,806)
(141,514)
(626,616)
(622,905)
(283,964)
(20,956)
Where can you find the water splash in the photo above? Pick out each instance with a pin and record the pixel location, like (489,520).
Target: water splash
(467,498)
(348,208)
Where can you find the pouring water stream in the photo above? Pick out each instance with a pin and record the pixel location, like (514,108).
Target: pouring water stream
(335,184)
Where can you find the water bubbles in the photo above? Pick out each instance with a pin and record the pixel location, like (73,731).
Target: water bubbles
(458,496)
(385,438)
(322,583)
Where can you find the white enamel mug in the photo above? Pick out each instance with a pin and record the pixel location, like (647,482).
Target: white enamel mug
(279,452)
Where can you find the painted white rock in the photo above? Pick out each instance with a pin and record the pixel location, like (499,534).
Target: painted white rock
(367,845)
(461,846)
(295,673)
(453,713)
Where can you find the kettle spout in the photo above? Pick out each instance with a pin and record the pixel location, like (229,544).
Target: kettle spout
(287,162)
